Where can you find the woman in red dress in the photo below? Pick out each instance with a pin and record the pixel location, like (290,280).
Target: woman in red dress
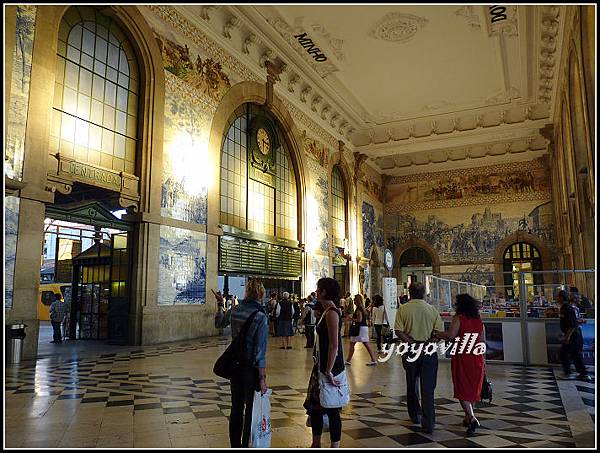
(467,368)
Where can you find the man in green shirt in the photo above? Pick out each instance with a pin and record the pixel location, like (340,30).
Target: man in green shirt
(415,322)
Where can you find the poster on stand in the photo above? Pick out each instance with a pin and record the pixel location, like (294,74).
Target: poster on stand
(390,301)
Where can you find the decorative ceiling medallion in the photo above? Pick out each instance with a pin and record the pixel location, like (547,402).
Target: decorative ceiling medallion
(397,27)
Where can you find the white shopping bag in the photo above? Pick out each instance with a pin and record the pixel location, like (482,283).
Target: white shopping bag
(260,435)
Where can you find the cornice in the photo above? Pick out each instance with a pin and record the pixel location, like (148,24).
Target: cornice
(459,160)
(302,71)
(452,125)
(551,21)
(510,167)
(244,62)
(562,63)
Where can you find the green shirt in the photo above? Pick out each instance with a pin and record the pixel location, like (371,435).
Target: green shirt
(418,319)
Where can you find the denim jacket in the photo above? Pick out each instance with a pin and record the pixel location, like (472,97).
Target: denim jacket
(256,339)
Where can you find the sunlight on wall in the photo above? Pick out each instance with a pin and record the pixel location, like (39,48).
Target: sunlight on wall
(192,164)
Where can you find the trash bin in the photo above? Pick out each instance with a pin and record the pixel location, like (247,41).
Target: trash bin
(16,338)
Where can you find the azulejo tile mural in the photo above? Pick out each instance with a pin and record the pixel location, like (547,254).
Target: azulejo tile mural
(372,230)
(185,153)
(472,234)
(11,222)
(318,268)
(182,267)
(318,206)
(16,115)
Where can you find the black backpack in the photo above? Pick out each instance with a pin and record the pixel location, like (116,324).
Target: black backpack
(233,358)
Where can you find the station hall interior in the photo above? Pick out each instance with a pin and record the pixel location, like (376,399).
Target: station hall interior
(154,153)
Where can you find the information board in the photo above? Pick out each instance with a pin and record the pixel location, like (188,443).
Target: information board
(390,301)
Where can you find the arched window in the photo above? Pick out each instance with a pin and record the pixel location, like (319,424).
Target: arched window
(258,184)
(338,205)
(96,92)
(522,257)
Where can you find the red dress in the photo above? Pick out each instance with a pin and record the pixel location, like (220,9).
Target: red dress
(467,369)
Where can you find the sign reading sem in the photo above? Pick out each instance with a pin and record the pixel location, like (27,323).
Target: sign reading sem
(310,47)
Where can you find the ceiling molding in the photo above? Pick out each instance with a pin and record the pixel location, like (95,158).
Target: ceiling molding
(459,159)
(231,30)
(445,127)
(549,39)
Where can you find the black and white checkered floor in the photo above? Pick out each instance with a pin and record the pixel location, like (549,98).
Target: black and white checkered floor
(167,396)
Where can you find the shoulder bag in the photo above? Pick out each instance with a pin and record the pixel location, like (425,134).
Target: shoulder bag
(229,363)
(486,389)
(330,395)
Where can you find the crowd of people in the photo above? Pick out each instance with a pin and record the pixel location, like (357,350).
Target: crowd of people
(324,317)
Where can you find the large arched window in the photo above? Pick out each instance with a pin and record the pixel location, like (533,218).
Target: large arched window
(96,92)
(338,205)
(258,184)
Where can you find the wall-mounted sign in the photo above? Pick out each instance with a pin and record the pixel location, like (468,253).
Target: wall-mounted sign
(497,13)
(388,259)
(502,20)
(91,174)
(310,47)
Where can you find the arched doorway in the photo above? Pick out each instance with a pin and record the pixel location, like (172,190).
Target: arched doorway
(522,257)
(414,264)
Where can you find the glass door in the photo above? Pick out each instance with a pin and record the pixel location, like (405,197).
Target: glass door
(92,295)
(118,310)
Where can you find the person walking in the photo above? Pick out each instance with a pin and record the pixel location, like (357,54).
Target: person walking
(379,316)
(467,369)
(572,348)
(285,314)
(309,319)
(360,318)
(296,317)
(59,310)
(415,322)
(330,362)
(253,377)
(272,304)
(348,313)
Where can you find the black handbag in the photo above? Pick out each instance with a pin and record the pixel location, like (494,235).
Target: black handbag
(229,363)
(486,389)
(354,330)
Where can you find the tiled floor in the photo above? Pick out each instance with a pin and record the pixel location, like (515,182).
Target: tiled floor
(167,396)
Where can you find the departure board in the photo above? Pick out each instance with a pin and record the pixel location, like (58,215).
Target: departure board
(248,256)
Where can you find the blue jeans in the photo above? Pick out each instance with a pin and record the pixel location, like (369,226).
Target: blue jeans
(57,334)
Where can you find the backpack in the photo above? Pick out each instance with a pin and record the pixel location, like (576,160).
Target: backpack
(309,317)
(230,362)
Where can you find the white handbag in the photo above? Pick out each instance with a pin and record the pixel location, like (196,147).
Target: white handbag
(330,395)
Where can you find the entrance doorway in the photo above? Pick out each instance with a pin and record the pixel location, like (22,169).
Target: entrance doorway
(415,264)
(522,257)
(86,259)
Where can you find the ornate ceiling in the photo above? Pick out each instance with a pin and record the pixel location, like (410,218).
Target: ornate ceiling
(409,85)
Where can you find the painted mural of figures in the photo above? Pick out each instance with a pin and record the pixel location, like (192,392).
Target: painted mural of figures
(206,75)
(466,241)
